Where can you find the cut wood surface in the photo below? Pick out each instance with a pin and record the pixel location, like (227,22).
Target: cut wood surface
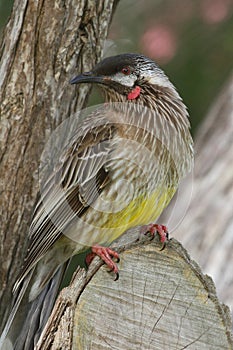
(161,301)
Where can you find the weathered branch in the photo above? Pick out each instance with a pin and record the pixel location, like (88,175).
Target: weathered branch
(161,301)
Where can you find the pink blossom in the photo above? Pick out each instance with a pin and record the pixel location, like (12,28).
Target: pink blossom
(215,11)
(159,42)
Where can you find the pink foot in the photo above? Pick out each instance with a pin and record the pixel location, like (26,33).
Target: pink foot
(106,254)
(161,230)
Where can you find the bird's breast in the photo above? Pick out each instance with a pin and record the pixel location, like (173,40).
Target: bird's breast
(140,186)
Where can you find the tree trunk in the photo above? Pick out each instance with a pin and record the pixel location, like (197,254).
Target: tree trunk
(44,44)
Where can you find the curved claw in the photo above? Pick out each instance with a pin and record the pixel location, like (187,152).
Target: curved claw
(117,276)
(107,255)
(163,246)
(161,230)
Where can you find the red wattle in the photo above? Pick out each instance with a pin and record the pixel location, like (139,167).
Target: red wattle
(134,93)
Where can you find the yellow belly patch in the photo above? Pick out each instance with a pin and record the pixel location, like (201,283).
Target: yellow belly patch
(140,211)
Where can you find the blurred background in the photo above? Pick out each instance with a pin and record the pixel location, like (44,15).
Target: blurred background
(192,40)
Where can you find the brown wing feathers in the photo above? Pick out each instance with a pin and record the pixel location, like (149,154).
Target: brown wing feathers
(69,192)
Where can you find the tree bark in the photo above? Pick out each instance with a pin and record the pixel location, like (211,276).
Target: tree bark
(44,44)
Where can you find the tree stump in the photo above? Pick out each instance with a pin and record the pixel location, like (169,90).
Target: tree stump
(161,301)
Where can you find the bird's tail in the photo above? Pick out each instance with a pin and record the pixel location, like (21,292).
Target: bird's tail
(27,319)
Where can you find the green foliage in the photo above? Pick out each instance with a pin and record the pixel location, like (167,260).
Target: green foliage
(5,9)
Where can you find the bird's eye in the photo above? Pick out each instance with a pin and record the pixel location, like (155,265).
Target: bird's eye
(126,70)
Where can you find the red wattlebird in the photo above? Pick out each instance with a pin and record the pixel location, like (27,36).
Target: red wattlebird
(120,169)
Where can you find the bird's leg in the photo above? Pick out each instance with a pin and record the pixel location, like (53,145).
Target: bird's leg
(107,255)
(161,230)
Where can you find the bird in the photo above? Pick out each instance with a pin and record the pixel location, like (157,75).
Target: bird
(119,169)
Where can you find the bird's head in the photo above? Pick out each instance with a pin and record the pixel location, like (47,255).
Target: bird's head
(135,85)
(126,77)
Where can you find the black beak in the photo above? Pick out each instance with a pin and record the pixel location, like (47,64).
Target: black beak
(88,77)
